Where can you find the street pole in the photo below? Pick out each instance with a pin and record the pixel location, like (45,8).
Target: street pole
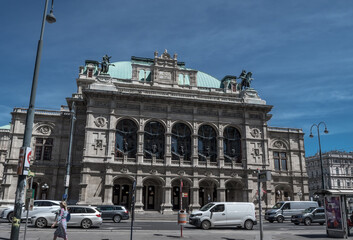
(132,208)
(259,199)
(21,181)
(68,164)
(318,136)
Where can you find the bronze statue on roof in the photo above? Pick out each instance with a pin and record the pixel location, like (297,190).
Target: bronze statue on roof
(245,79)
(105,64)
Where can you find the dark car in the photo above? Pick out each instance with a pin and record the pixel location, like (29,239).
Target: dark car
(114,212)
(310,215)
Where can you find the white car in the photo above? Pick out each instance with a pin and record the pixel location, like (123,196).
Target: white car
(241,214)
(39,206)
(83,216)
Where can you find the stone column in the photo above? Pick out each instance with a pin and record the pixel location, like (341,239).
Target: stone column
(138,196)
(194,150)
(220,152)
(221,195)
(167,206)
(168,147)
(194,189)
(108,187)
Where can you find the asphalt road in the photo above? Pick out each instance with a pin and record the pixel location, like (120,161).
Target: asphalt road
(172,225)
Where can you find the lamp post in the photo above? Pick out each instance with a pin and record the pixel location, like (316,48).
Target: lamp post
(318,136)
(15,228)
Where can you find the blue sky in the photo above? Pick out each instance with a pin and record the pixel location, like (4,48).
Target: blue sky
(300,52)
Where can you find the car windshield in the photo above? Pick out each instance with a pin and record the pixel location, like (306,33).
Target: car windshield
(278,205)
(206,207)
(309,210)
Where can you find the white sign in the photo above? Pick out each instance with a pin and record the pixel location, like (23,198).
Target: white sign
(24,161)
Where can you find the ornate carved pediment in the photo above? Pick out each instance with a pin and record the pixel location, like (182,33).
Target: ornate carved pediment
(278,144)
(44,128)
(124,170)
(181,173)
(208,173)
(153,172)
(255,132)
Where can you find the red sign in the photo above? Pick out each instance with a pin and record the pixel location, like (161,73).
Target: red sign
(24,161)
(184,194)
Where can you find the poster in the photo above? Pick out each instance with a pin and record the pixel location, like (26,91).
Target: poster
(333,212)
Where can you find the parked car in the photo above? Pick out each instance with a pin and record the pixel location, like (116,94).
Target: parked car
(84,216)
(284,210)
(38,206)
(310,215)
(113,212)
(241,214)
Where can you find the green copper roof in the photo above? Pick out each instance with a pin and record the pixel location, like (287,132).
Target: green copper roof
(7,127)
(123,70)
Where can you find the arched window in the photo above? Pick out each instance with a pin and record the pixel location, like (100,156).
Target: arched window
(126,138)
(232,145)
(207,143)
(338,183)
(337,171)
(181,141)
(154,140)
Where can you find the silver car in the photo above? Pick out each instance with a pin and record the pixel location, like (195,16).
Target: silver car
(38,206)
(84,216)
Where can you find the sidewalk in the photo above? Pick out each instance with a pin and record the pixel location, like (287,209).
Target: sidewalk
(221,234)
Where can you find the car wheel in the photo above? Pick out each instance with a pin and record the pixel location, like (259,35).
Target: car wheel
(10,216)
(248,225)
(205,225)
(41,222)
(271,221)
(117,218)
(280,219)
(296,223)
(86,223)
(307,221)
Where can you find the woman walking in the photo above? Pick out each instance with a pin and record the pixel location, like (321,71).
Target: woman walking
(61,220)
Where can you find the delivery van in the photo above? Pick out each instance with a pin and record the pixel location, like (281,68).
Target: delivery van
(285,209)
(213,214)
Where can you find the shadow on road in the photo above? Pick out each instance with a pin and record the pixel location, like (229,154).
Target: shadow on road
(319,236)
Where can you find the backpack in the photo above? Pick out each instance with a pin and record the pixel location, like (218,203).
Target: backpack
(68,217)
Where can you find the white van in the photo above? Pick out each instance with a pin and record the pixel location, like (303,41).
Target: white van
(285,209)
(215,214)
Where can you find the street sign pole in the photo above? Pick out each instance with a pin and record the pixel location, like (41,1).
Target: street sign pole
(28,202)
(259,199)
(132,208)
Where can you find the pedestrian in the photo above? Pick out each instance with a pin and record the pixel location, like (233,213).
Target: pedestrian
(61,221)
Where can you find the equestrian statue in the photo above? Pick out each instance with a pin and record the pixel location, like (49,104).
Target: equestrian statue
(245,80)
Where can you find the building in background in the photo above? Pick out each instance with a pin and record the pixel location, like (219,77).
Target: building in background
(4,146)
(338,172)
(159,123)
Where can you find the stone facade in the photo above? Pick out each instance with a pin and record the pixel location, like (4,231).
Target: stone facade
(338,171)
(159,127)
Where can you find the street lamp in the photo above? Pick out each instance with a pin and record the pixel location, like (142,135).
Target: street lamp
(318,136)
(15,229)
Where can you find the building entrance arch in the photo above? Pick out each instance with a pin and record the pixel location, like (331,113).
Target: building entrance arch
(234,191)
(207,191)
(121,192)
(283,193)
(176,194)
(152,194)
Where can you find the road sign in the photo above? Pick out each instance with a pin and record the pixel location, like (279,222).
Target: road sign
(264,176)
(24,161)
